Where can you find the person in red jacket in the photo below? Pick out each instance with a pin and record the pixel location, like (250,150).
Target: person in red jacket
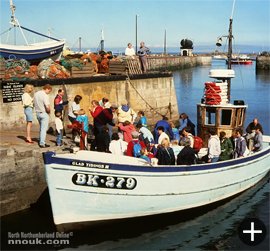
(59,103)
(127,128)
(95,111)
(135,140)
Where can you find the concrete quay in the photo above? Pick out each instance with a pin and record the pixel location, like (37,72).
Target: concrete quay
(22,173)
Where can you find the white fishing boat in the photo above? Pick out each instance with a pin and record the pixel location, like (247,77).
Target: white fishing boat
(88,187)
(33,52)
(219,57)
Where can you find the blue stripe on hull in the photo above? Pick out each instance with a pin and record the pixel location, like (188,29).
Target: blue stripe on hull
(50,159)
(31,54)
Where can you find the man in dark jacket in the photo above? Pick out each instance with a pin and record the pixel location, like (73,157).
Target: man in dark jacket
(251,128)
(187,155)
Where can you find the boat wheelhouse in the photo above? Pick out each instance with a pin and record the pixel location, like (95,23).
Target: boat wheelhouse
(215,111)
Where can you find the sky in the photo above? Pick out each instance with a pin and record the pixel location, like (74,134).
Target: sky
(202,21)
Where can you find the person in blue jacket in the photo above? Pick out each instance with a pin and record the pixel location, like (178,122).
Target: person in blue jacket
(167,128)
(186,122)
(142,119)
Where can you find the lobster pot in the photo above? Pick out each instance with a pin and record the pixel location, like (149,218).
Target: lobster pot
(216,93)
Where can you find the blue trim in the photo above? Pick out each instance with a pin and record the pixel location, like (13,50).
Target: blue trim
(31,54)
(49,159)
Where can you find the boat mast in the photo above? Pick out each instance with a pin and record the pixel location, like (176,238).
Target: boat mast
(80,44)
(14,22)
(165,43)
(102,41)
(229,56)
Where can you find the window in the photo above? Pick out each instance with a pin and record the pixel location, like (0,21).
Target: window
(210,116)
(225,118)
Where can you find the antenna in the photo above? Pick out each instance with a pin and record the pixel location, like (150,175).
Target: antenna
(232,9)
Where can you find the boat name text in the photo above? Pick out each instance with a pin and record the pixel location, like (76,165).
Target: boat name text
(87,164)
(92,180)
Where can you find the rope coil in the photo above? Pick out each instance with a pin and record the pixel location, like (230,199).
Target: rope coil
(215,93)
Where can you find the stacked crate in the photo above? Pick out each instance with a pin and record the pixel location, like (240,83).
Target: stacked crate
(128,65)
(2,69)
(85,70)
(118,67)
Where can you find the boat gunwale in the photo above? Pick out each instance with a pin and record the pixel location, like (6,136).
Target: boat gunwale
(51,158)
(30,51)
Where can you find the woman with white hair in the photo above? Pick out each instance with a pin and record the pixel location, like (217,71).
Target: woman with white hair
(165,154)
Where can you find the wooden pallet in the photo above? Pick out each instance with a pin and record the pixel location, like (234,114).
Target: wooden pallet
(86,70)
(134,66)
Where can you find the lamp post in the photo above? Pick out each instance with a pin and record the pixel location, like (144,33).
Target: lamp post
(136,33)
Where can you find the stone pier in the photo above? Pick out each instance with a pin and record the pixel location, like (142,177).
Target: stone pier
(263,63)
(173,62)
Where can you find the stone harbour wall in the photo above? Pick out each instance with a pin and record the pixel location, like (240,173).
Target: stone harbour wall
(22,178)
(152,93)
(263,63)
(172,62)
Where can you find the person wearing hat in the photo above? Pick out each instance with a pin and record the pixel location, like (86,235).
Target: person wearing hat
(135,140)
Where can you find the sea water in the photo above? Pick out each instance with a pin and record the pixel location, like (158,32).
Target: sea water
(208,228)
(253,88)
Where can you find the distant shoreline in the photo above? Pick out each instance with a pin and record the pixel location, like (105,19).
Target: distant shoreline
(203,49)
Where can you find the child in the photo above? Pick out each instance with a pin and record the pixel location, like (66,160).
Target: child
(59,128)
(144,155)
(83,119)
(175,131)
(142,119)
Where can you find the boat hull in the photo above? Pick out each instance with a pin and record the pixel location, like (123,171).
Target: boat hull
(34,52)
(242,62)
(90,191)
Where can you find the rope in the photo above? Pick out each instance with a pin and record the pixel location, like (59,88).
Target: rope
(212,95)
(20,65)
(69,63)
(146,102)
(6,31)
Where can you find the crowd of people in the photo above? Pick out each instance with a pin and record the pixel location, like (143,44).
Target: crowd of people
(122,131)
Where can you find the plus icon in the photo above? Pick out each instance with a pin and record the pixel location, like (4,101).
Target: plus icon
(252,231)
